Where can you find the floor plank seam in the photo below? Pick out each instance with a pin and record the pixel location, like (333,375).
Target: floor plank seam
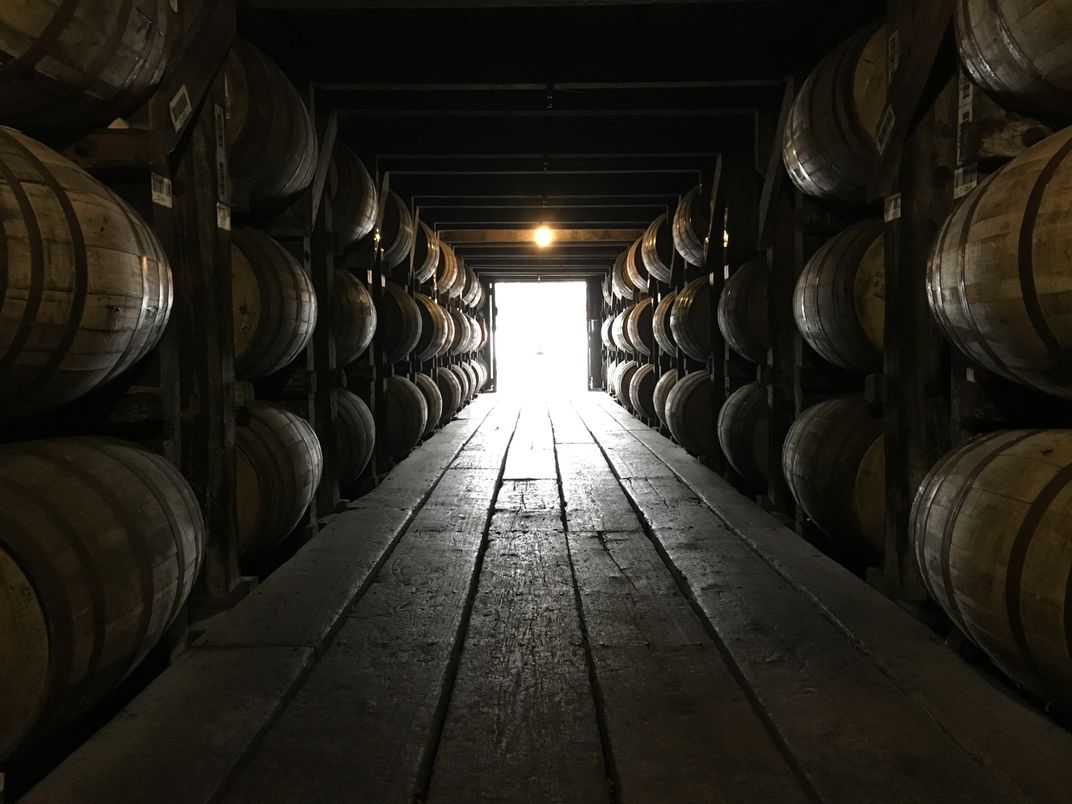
(609,763)
(426,770)
(731,662)
(246,757)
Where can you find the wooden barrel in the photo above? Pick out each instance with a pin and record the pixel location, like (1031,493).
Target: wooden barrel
(1019,52)
(433,398)
(620,285)
(619,334)
(278,470)
(355,432)
(434,332)
(456,287)
(273,305)
(635,270)
(657,249)
(398,325)
(690,319)
(80,64)
(407,416)
(355,317)
(85,287)
(451,391)
(662,390)
(469,288)
(101,545)
(608,296)
(447,268)
(464,382)
(990,530)
(354,200)
(834,460)
(425,253)
(604,332)
(642,391)
(998,281)
(609,368)
(474,380)
(463,333)
(691,221)
(660,324)
(743,432)
(271,142)
(829,142)
(623,378)
(839,302)
(742,311)
(397,234)
(690,412)
(482,371)
(638,327)
(480,297)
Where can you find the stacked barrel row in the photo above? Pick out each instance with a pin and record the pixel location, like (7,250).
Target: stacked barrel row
(989,523)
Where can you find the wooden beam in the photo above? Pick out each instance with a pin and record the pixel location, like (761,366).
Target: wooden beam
(459,237)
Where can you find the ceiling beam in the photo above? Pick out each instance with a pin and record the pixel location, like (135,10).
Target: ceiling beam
(457,237)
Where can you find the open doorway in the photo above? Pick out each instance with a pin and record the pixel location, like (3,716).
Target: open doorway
(541,341)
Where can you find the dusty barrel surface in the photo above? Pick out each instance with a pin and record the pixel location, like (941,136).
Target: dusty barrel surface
(998,282)
(355,431)
(657,248)
(433,398)
(743,318)
(990,530)
(271,142)
(642,391)
(355,317)
(743,427)
(689,412)
(660,323)
(690,319)
(85,286)
(398,323)
(840,299)
(662,390)
(90,579)
(829,142)
(1019,51)
(834,460)
(690,226)
(80,63)
(278,470)
(273,304)
(638,327)
(451,390)
(353,197)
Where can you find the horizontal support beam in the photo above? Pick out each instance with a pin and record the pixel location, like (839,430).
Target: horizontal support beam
(525,236)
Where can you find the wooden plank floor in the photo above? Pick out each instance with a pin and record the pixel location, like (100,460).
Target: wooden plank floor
(551,603)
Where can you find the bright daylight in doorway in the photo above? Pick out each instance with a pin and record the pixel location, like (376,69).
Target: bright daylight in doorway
(541,339)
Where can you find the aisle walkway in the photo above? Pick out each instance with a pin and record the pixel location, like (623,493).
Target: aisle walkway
(551,603)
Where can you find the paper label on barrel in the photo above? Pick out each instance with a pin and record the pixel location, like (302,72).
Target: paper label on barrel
(965,180)
(223,217)
(885,129)
(222,189)
(180,108)
(161,190)
(893,53)
(893,208)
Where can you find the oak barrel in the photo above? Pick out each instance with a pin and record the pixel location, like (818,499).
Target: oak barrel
(657,249)
(101,545)
(271,142)
(839,301)
(743,432)
(690,319)
(354,200)
(834,460)
(464,382)
(278,470)
(691,221)
(990,528)
(829,142)
(434,332)
(604,332)
(690,412)
(474,379)
(425,253)
(354,315)
(457,286)
(433,398)
(355,431)
(620,285)
(447,268)
(642,391)
(662,390)
(635,269)
(397,234)
(619,334)
(85,287)
(80,64)
(622,379)
(482,371)
(660,324)
(407,416)
(398,327)
(608,296)
(273,304)
(638,327)
(999,282)
(742,311)
(1019,51)
(451,390)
